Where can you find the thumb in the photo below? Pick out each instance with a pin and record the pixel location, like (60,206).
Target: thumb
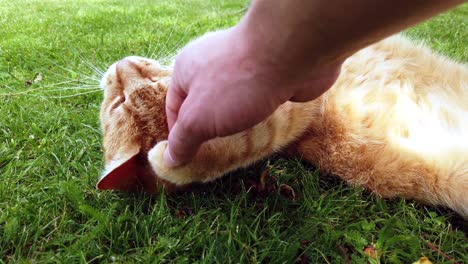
(183,145)
(174,99)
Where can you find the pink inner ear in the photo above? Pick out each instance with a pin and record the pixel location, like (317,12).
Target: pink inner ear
(123,178)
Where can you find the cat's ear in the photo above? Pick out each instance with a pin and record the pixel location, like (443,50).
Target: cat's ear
(121,174)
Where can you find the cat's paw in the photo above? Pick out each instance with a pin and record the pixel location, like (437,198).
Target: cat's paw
(179,175)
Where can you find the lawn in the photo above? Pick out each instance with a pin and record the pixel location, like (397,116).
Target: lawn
(51,55)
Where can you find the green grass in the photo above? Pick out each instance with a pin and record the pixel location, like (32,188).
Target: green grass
(51,157)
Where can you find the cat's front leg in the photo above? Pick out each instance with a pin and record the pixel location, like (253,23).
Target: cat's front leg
(214,159)
(222,155)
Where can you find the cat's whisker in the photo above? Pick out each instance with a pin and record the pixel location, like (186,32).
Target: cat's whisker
(155,47)
(150,47)
(161,47)
(93,67)
(98,71)
(59,83)
(181,40)
(67,96)
(171,54)
(165,45)
(77,82)
(17,93)
(23,92)
(161,50)
(71,88)
(154,51)
(80,75)
(90,65)
(81,79)
(82,82)
(41,90)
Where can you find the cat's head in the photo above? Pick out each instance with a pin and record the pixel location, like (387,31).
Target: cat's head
(133,120)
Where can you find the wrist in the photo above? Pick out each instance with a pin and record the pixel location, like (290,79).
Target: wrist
(273,60)
(254,57)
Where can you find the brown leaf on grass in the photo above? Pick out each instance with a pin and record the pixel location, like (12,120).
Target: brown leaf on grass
(184,212)
(370,251)
(287,191)
(262,186)
(305,243)
(263,179)
(179,214)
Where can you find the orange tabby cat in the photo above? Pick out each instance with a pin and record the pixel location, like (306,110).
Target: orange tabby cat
(396,122)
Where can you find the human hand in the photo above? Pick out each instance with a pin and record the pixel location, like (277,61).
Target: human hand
(221,86)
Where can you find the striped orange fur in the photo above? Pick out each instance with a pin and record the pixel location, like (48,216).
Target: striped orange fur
(396,122)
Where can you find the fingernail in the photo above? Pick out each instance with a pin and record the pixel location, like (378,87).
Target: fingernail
(168,160)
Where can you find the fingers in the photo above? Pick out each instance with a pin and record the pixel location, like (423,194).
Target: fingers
(183,144)
(184,137)
(174,99)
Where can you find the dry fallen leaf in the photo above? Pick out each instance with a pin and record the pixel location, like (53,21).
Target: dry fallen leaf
(182,213)
(262,182)
(287,191)
(370,251)
(179,214)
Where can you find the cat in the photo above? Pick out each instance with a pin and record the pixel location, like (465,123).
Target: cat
(395,122)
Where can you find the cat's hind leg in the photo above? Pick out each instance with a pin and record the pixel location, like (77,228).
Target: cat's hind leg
(388,171)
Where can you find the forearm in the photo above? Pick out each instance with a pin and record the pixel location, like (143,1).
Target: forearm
(302,32)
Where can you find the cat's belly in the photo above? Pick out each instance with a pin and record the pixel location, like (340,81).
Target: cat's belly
(435,129)
(396,122)
(409,99)
(393,143)
(431,126)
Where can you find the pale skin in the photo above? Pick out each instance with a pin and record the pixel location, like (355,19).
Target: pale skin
(233,79)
